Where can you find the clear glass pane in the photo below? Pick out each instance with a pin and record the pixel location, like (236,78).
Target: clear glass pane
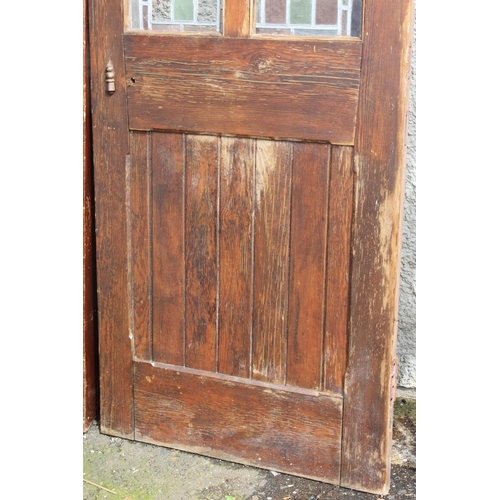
(175,15)
(309,17)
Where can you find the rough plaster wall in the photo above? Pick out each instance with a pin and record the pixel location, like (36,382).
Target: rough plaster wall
(406,347)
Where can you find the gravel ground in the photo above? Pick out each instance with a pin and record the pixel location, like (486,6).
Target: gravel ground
(115,468)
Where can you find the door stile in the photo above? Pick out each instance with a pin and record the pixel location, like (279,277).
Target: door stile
(379,162)
(110,123)
(238,18)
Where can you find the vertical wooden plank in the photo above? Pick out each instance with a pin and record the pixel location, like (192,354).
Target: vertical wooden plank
(235,255)
(338,259)
(201,251)
(379,160)
(238,19)
(168,247)
(307,264)
(110,142)
(90,355)
(273,175)
(139,216)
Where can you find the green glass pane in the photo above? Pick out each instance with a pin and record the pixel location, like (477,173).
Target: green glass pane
(300,11)
(183,10)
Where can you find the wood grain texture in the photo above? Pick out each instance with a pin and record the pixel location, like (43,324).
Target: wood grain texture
(337,274)
(295,432)
(138,182)
(273,179)
(168,266)
(236,255)
(201,251)
(90,354)
(380,164)
(110,145)
(254,87)
(307,264)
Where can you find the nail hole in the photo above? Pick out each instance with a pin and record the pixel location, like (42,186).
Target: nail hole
(132,79)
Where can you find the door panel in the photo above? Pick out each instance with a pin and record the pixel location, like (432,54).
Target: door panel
(230,257)
(248,220)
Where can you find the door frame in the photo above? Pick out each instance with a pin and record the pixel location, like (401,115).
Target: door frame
(379,175)
(90,358)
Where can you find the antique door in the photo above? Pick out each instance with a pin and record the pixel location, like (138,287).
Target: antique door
(249,161)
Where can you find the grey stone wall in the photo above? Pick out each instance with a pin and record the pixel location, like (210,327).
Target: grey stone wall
(406,346)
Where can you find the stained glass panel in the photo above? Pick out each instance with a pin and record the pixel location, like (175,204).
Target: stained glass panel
(175,15)
(309,17)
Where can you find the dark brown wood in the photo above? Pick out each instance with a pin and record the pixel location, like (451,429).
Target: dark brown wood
(380,165)
(304,89)
(201,251)
(260,424)
(90,391)
(273,179)
(337,273)
(138,194)
(167,274)
(307,264)
(237,171)
(110,146)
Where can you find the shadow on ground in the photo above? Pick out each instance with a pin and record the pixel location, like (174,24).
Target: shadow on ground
(115,468)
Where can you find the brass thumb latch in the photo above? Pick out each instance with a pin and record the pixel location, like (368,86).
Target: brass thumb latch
(110,79)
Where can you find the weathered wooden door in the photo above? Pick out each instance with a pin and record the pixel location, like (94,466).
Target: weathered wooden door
(249,163)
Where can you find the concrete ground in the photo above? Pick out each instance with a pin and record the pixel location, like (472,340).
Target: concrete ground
(115,468)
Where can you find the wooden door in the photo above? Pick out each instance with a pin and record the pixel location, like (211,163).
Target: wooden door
(248,209)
